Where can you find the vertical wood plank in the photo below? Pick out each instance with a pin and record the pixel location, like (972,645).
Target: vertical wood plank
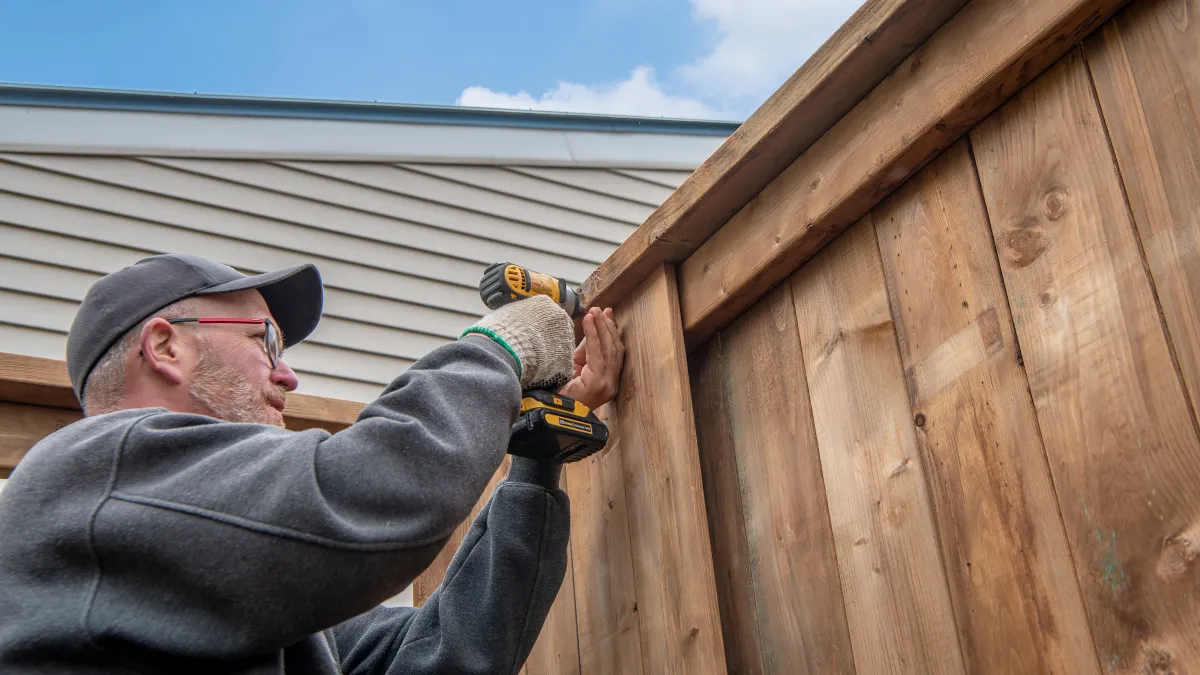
(897,602)
(782,609)
(556,651)
(1015,597)
(1118,432)
(610,641)
(1146,68)
(723,503)
(797,591)
(802,620)
(672,560)
(425,584)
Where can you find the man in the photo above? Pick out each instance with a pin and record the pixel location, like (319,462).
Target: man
(179,528)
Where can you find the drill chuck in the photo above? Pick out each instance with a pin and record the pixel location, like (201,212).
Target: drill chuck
(503,283)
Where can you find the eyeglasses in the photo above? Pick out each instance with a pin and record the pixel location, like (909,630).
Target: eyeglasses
(272,342)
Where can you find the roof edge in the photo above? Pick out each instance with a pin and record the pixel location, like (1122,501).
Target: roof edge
(363,111)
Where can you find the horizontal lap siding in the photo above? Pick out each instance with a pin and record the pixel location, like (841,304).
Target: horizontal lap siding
(400,247)
(670,179)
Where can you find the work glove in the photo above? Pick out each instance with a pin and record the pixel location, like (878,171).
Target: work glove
(539,335)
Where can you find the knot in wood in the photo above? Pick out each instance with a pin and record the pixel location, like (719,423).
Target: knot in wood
(1054,204)
(1024,245)
(661,234)
(1177,558)
(1177,11)
(1158,662)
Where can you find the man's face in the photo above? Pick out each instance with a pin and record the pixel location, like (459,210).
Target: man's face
(232,378)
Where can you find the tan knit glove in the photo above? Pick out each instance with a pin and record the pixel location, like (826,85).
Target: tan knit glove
(539,334)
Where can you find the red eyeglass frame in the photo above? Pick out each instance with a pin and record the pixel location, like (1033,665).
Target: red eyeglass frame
(272,338)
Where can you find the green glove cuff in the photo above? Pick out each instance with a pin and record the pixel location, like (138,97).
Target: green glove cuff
(488,332)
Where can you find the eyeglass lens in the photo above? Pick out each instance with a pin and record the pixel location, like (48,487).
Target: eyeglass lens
(271,337)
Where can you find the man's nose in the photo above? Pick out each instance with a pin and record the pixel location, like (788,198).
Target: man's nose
(284,376)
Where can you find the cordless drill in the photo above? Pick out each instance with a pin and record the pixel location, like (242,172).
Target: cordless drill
(503,283)
(551,426)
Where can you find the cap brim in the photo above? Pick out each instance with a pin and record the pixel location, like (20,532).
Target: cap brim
(294,296)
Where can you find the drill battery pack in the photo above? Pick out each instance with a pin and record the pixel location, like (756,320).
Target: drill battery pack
(557,428)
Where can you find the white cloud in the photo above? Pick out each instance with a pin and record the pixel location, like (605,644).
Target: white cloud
(760,43)
(641,95)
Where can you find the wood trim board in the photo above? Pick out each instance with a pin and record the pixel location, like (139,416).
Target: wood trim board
(976,61)
(880,35)
(33,382)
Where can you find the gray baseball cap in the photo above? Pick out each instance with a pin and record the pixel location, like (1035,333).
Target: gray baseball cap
(121,300)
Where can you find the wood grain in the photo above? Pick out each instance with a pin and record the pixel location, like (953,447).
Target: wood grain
(1118,432)
(37,381)
(852,61)
(33,381)
(1016,601)
(331,414)
(1146,68)
(556,651)
(723,493)
(22,426)
(672,561)
(610,641)
(797,592)
(897,602)
(977,60)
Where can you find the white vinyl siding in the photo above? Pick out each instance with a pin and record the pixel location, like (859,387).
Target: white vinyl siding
(400,246)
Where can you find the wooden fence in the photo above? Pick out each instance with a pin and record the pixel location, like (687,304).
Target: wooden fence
(913,369)
(944,364)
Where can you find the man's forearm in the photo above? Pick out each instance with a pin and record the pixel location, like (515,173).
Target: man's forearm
(498,590)
(291,532)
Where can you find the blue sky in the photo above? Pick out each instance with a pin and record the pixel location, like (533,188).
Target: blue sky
(686,58)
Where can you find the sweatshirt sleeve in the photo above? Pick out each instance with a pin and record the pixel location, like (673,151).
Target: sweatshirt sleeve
(498,590)
(250,537)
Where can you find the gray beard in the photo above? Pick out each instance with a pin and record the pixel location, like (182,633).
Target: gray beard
(228,394)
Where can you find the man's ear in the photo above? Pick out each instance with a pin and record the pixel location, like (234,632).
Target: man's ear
(162,350)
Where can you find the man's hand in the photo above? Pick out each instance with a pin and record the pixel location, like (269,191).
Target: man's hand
(597,361)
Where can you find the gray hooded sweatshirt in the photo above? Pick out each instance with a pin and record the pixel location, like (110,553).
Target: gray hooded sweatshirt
(147,541)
